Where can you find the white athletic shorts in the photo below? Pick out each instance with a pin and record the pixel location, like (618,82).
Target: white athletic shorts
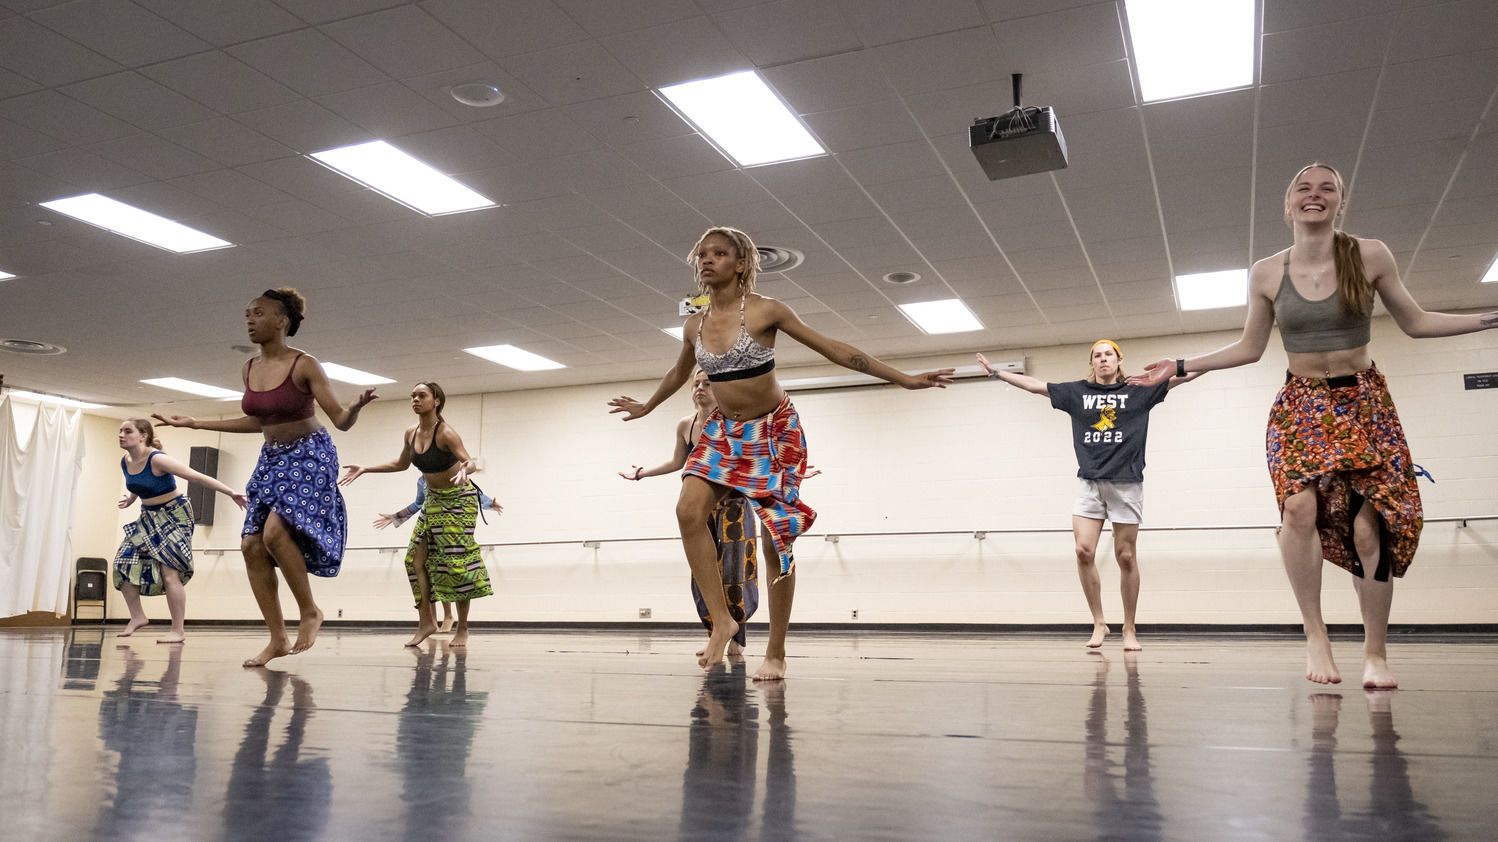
(1119,502)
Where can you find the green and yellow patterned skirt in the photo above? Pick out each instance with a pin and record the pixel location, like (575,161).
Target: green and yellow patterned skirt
(454,564)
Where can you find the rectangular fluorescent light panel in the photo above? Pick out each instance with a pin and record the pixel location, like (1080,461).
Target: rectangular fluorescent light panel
(675,332)
(1212,290)
(1188,47)
(946,316)
(344,374)
(391,172)
(516,358)
(1492,274)
(130,221)
(20,394)
(5,276)
(740,115)
(188,386)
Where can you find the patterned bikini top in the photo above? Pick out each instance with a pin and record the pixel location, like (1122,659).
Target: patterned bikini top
(747,358)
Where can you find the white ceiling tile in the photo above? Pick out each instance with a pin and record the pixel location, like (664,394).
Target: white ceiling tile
(64,118)
(1323,49)
(223,22)
(123,32)
(833,82)
(308,62)
(322,11)
(83,171)
(232,189)
(403,41)
(1081,89)
(572,73)
(221,82)
(538,134)
(680,51)
(389,110)
(153,156)
(526,25)
(789,31)
(1092,34)
(17,141)
(888,21)
(226,141)
(675,157)
(304,126)
(952,60)
(606,17)
(139,100)
(43,55)
(1444,29)
(627,119)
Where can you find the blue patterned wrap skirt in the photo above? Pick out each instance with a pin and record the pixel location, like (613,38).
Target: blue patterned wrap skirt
(161,537)
(298,480)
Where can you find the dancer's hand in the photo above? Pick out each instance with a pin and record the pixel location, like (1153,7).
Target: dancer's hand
(363,399)
(240,500)
(175,420)
(987,369)
(459,475)
(631,408)
(383,521)
(811,471)
(127,500)
(1154,374)
(498,509)
(353,473)
(633,473)
(930,379)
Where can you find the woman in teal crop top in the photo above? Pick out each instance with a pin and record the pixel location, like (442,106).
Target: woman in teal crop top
(298,527)
(1337,455)
(753,441)
(155,557)
(443,561)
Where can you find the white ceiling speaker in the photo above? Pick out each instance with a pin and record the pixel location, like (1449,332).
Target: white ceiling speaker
(778,259)
(27,346)
(476,94)
(902,277)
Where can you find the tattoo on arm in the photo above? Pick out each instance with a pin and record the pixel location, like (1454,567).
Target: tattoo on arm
(858,362)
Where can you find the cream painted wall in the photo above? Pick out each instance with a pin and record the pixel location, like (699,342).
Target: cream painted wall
(976,456)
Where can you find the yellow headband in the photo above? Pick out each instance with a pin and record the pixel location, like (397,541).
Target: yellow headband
(1116,352)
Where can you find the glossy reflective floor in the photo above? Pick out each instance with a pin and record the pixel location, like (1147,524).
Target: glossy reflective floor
(609,735)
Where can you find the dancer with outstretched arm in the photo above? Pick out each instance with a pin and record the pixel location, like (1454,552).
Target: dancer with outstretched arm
(753,442)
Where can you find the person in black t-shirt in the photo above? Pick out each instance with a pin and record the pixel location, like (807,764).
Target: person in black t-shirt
(1110,422)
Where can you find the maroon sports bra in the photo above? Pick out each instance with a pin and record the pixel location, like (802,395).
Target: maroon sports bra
(281,405)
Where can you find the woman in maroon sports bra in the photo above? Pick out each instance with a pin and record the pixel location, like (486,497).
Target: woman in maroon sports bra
(296,519)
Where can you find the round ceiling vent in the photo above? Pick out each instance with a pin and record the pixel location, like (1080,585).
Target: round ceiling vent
(476,94)
(901,278)
(26,346)
(777,259)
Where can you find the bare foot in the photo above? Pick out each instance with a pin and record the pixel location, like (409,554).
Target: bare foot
(133,625)
(1377,675)
(306,632)
(1099,631)
(713,652)
(422,633)
(771,669)
(460,639)
(279,647)
(446,625)
(1131,641)
(172,637)
(734,648)
(1320,667)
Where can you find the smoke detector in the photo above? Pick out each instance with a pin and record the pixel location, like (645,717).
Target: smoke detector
(26,346)
(777,259)
(476,94)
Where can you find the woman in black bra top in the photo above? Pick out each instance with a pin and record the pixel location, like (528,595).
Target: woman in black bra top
(1337,454)
(443,561)
(753,442)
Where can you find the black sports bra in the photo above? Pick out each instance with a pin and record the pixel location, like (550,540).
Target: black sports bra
(436,458)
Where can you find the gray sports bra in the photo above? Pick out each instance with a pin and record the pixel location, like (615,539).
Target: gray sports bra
(747,358)
(1308,327)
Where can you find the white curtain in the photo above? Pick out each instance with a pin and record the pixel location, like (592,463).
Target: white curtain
(38,483)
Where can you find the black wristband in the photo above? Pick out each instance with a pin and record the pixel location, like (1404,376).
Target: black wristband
(1180,367)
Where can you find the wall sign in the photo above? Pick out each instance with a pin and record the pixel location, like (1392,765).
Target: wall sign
(1485,380)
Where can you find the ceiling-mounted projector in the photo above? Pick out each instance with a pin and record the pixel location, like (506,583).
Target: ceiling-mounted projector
(1021,142)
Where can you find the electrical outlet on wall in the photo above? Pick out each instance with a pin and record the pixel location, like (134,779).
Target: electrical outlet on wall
(644,613)
(855,614)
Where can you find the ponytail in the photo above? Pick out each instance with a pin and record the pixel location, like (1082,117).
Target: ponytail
(1354,292)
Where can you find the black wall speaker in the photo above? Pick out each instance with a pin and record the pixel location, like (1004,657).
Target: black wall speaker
(204,460)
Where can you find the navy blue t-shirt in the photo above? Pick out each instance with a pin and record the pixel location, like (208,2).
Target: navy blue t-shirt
(1109,426)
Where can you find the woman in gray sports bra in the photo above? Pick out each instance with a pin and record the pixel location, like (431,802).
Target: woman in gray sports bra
(753,442)
(1337,455)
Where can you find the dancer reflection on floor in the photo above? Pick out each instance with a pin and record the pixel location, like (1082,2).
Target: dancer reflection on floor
(753,442)
(156,738)
(433,740)
(1393,812)
(718,786)
(278,795)
(296,521)
(1135,815)
(1337,454)
(732,523)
